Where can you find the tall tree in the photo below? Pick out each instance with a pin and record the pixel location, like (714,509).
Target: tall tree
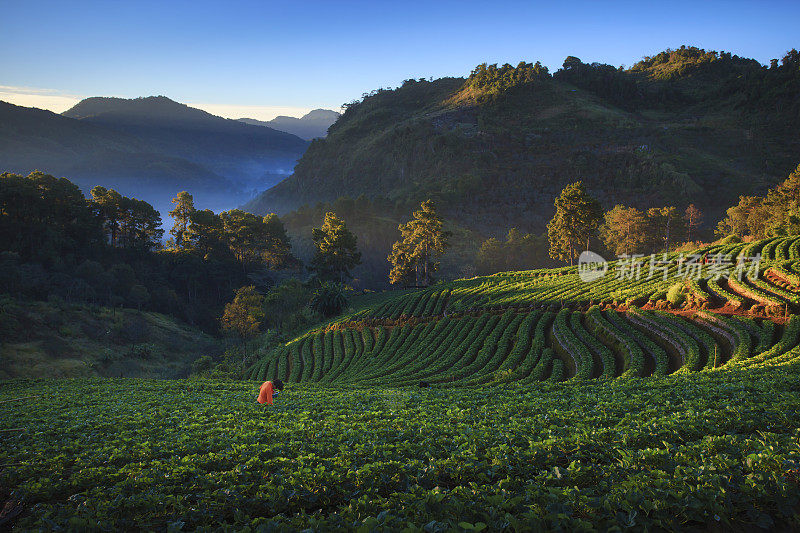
(43,217)
(422,241)
(128,222)
(244,315)
(252,238)
(693,217)
(109,204)
(666,227)
(140,227)
(576,220)
(337,249)
(517,252)
(746,217)
(181,214)
(204,235)
(624,230)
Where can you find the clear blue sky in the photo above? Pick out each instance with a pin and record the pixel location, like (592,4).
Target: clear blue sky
(324,53)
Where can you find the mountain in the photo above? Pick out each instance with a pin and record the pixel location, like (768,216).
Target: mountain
(494,149)
(149,148)
(241,152)
(312,125)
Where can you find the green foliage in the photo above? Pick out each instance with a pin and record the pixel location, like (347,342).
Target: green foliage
(329,299)
(517,252)
(488,81)
(576,220)
(422,241)
(592,455)
(244,315)
(662,133)
(676,294)
(182,214)
(449,335)
(44,218)
(337,250)
(59,339)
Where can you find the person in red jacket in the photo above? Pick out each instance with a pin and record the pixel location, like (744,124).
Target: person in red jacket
(268,388)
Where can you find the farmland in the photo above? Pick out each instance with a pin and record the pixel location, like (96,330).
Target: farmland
(660,403)
(551,325)
(711,449)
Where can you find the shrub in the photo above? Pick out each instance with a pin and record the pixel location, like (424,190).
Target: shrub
(202,365)
(329,299)
(676,295)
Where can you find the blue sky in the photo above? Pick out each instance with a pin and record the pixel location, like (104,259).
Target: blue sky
(259,59)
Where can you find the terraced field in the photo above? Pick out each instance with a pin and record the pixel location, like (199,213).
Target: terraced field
(552,325)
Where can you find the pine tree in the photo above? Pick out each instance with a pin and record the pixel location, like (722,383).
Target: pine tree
(182,214)
(667,226)
(624,230)
(422,240)
(337,250)
(693,217)
(577,219)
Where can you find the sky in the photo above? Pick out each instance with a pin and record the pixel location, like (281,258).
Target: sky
(260,59)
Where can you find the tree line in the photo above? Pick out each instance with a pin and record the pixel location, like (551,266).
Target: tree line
(579,219)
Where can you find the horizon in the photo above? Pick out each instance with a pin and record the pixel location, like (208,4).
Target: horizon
(289,60)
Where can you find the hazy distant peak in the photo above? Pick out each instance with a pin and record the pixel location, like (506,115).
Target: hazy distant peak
(321,114)
(313,124)
(148,105)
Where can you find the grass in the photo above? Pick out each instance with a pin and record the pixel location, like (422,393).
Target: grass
(52,339)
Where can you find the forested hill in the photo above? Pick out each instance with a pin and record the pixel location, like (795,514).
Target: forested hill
(494,149)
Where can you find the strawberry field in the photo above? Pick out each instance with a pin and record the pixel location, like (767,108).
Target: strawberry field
(717,449)
(552,325)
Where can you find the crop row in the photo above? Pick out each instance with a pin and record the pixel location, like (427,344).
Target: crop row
(512,348)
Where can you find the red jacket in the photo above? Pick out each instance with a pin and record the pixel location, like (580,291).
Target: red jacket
(265,393)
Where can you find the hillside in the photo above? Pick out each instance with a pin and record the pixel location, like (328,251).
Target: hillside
(59,340)
(312,125)
(495,148)
(551,324)
(150,147)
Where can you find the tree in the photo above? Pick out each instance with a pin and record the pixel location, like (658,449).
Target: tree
(624,230)
(576,220)
(781,204)
(244,314)
(517,252)
(204,235)
(666,226)
(141,225)
(746,217)
(184,207)
(252,238)
(139,295)
(337,250)
(693,217)
(46,218)
(109,204)
(422,240)
(128,222)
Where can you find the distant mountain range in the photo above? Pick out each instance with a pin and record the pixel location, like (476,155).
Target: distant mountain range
(150,148)
(312,125)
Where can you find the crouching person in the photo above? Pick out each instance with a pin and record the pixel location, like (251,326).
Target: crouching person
(268,388)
